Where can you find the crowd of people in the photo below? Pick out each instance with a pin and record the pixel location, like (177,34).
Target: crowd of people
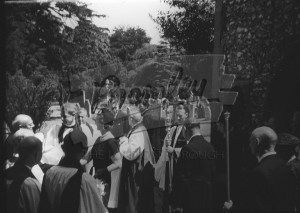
(119,164)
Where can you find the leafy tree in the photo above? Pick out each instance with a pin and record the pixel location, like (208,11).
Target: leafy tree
(125,41)
(86,45)
(41,34)
(190,27)
(42,49)
(257,38)
(31,96)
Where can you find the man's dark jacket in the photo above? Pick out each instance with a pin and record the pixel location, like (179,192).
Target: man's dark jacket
(197,169)
(272,187)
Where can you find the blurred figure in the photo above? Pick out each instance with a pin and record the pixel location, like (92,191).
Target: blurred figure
(54,137)
(92,133)
(121,126)
(66,187)
(271,186)
(135,96)
(22,121)
(82,115)
(83,120)
(17,140)
(23,187)
(286,147)
(295,167)
(136,182)
(289,150)
(107,158)
(196,166)
(6,131)
(166,171)
(106,92)
(14,143)
(296,124)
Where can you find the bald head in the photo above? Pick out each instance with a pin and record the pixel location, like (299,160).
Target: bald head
(18,136)
(22,121)
(263,140)
(30,150)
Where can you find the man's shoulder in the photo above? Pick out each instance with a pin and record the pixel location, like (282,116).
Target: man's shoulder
(268,162)
(139,129)
(16,171)
(112,141)
(9,173)
(199,141)
(59,172)
(31,183)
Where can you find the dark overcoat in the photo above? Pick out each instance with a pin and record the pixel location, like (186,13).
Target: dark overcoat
(197,168)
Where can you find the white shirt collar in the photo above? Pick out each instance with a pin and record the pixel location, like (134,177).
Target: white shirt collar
(37,172)
(265,155)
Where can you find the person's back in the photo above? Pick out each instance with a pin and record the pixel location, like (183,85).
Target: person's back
(294,165)
(23,187)
(197,168)
(60,178)
(274,185)
(66,187)
(201,154)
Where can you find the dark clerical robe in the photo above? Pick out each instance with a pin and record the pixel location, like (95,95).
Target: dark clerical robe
(137,177)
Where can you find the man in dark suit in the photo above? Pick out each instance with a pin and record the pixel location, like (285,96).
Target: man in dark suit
(272,185)
(197,169)
(23,186)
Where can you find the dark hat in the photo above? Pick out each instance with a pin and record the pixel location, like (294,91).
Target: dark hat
(108,116)
(76,137)
(287,139)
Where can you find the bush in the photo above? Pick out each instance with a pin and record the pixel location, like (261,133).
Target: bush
(31,96)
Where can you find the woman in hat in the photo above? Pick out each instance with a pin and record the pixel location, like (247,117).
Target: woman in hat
(106,158)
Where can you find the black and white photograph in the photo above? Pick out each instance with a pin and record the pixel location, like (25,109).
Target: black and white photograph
(150,106)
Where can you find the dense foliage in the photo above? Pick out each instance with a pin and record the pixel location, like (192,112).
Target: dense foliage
(31,96)
(45,42)
(125,41)
(258,36)
(191,27)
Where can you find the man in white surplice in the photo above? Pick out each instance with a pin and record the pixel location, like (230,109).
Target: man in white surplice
(136,181)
